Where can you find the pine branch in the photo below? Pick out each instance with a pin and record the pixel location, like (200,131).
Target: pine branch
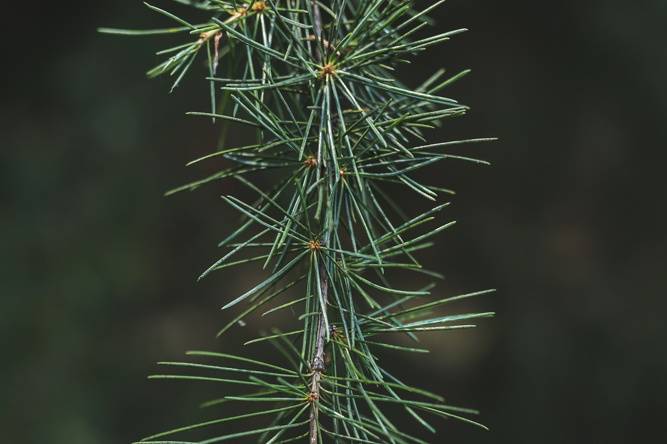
(315,82)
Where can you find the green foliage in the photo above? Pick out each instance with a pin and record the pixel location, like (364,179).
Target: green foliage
(314,81)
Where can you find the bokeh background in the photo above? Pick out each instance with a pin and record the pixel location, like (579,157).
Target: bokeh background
(98,269)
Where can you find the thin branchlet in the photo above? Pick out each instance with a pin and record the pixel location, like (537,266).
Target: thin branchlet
(317,363)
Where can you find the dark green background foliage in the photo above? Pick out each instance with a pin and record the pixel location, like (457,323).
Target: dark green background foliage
(98,269)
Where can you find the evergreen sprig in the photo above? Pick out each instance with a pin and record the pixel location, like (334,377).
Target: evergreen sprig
(315,82)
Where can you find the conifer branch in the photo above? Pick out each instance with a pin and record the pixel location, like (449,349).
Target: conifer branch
(314,81)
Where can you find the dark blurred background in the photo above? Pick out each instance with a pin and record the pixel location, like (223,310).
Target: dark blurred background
(97,278)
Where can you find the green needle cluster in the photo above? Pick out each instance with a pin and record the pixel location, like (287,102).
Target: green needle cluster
(314,83)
